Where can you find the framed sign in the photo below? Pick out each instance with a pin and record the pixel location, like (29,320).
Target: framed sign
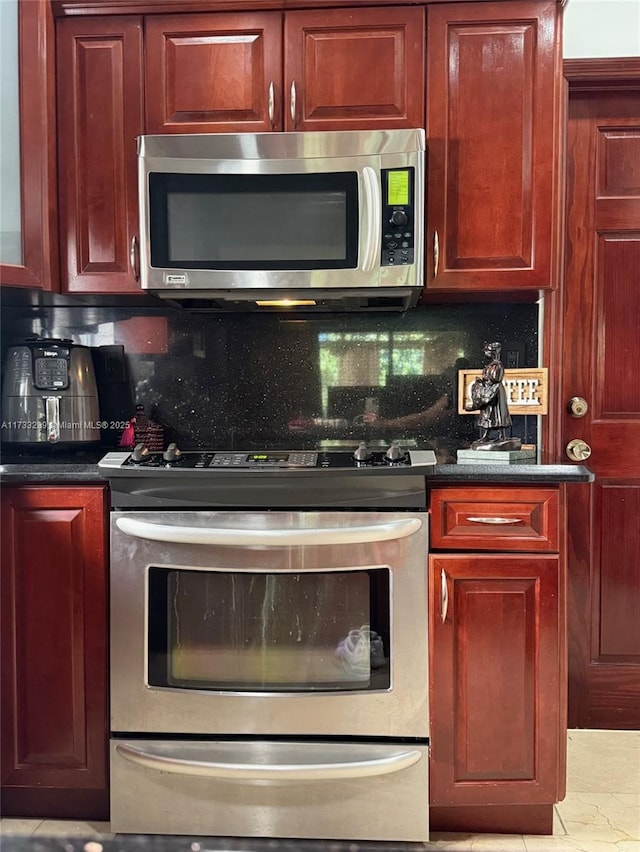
(527,389)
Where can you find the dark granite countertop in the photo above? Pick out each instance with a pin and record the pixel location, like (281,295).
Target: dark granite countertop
(515,473)
(83,467)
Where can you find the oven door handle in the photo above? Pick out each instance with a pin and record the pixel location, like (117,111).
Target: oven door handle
(270,771)
(268,538)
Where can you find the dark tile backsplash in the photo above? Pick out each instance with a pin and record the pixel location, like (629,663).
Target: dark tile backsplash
(241,381)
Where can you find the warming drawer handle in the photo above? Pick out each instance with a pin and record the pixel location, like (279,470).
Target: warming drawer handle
(489,519)
(270,772)
(268,538)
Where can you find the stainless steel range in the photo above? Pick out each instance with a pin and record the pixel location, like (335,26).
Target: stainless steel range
(269,643)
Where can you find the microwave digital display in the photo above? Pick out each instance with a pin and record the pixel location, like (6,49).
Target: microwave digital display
(398,188)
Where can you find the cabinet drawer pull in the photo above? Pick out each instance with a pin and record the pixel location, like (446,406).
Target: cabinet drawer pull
(293,103)
(488,519)
(271,105)
(444,592)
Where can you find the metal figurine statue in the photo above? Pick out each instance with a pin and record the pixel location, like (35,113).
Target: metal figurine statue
(489,397)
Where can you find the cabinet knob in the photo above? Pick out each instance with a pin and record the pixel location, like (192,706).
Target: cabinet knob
(578,450)
(578,406)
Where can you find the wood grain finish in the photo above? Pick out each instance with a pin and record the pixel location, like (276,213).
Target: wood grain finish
(494,144)
(504,519)
(211,73)
(325,54)
(39,267)
(63,8)
(495,679)
(99,118)
(54,652)
(601,321)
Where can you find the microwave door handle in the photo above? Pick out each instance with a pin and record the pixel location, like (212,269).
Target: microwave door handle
(267,538)
(241,771)
(373,209)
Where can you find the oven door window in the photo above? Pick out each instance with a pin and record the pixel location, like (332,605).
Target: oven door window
(266,632)
(289,221)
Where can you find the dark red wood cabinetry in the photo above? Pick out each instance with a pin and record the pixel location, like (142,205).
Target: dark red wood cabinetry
(54,652)
(494,144)
(497,670)
(300,70)
(99,76)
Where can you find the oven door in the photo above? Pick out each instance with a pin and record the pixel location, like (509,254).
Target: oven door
(269,623)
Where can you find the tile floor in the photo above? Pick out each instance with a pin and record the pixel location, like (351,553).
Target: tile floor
(601,812)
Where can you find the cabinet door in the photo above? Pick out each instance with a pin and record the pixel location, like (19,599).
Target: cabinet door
(213,73)
(496,697)
(54,652)
(28,237)
(354,69)
(99,118)
(493,142)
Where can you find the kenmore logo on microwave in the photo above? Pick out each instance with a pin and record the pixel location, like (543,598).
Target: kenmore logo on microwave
(175,278)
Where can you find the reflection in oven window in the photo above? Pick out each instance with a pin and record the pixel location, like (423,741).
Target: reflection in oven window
(269,631)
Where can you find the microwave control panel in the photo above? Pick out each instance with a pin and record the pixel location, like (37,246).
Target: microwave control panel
(397,216)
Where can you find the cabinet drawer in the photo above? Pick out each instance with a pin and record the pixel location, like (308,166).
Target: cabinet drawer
(510,519)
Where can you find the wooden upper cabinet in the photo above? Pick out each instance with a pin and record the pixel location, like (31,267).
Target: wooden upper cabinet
(207,73)
(28,248)
(493,142)
(213,73)
(99,67)
(354,69)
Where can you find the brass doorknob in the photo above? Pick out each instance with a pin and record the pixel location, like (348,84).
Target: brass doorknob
(578,406)
(578,450)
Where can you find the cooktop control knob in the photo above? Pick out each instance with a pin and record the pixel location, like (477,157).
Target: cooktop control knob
(362,453)
(399,218)
(172,453)
(395,454)
(140,453)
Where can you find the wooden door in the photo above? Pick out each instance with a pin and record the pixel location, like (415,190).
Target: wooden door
(213,73)
(496,695)
(99,67)
(602,353)
(354,69)
(54,653)
(493,144)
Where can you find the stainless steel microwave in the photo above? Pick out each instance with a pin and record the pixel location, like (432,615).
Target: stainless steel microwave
(329,220)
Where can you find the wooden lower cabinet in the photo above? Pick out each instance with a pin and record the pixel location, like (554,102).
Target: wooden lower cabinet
(54,652)
(497,693)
